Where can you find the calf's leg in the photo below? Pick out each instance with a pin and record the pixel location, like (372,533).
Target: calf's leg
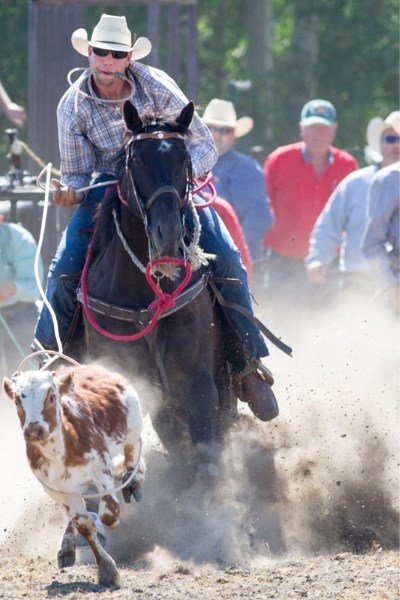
(66,555)
(106,568)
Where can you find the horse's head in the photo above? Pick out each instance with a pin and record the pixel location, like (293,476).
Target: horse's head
(157,176)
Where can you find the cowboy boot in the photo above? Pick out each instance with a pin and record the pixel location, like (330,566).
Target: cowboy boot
(253,385)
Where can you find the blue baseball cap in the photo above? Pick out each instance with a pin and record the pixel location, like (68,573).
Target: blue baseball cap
(318,112)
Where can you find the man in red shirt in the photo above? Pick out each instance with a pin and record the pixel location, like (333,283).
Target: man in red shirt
(300,178)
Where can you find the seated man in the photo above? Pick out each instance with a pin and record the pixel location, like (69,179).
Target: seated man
(90,133)
(18,293)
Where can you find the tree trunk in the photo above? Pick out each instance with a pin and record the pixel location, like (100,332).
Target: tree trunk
(303,82)
(259,25)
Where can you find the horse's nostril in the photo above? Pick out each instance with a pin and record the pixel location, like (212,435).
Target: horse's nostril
(160,233)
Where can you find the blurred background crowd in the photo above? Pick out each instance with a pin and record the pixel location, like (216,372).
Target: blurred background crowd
(302,101)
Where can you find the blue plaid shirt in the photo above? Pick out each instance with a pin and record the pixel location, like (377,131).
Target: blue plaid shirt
(90,132)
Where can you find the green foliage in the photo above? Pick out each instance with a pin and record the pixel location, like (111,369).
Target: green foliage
(223,45)
(355,51)
(13,62)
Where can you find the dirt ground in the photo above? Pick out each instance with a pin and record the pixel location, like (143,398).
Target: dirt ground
(306,506)
(341,577)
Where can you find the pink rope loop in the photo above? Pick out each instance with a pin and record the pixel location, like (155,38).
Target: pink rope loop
(161,304)
(181,286)
(201,183)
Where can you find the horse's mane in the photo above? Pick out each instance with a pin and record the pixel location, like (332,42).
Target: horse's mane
(151,121)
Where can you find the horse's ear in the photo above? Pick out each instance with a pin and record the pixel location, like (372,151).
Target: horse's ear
(186,116)
(131,116)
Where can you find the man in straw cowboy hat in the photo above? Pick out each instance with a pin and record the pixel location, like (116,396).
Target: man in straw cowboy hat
(381,239)
(90,133)
(342,222)
(238,178)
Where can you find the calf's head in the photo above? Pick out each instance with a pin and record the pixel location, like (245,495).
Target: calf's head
(37,397)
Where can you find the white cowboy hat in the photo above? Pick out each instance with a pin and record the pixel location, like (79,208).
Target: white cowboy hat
(222,114)
(375,128)
(111,33)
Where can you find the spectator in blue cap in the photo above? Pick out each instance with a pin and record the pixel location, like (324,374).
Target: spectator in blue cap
(300,178)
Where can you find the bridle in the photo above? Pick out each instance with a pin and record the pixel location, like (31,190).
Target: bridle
(193,251)
(141,205)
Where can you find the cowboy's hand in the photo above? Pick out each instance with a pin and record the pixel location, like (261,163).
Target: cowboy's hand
(316,272)
(65,195)
(7,289)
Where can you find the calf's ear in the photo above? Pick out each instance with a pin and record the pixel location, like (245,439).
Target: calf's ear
(65,382)
(8,387)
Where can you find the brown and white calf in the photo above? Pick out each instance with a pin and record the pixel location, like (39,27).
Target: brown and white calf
(76,422)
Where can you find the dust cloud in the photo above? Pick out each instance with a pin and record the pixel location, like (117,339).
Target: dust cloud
(322,478)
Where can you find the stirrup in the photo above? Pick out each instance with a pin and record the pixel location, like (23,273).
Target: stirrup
(256,364)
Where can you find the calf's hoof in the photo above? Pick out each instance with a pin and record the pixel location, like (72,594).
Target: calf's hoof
(132,489)
(108,575)
(66,557)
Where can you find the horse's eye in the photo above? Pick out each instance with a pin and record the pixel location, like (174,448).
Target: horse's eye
(135,159)
(52,399)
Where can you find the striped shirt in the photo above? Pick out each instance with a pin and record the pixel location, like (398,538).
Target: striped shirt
(90,132)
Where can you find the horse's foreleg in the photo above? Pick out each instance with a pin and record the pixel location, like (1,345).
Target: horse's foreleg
(202,407)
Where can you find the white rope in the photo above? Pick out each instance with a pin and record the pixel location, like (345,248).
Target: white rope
(79,92)
(83,189)
(131,255)
(54,353)
(196,255)
(37,257)
(118,488)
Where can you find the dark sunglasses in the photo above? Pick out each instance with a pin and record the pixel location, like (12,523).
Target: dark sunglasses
(391,138)
(221,130)
(114,53)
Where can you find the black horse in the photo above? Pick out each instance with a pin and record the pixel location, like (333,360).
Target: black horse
(132,316)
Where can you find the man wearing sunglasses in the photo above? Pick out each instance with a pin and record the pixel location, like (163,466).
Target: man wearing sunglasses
(91,130)
(238,178)
(381,239)
(342,221)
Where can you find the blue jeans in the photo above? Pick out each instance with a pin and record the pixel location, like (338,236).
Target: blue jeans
(70,259)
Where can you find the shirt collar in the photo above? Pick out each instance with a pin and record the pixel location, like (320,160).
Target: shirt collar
(307,158)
